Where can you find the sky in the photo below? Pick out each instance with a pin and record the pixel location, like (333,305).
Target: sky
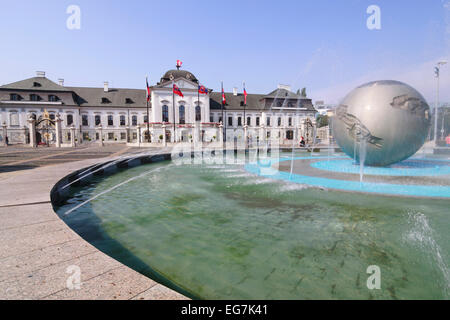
(323,45)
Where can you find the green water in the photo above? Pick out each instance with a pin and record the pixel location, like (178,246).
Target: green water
(218,232)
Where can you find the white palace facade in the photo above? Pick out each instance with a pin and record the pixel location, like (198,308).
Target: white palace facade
(39,111)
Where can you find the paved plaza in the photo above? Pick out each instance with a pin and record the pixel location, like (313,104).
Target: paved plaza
(38,250)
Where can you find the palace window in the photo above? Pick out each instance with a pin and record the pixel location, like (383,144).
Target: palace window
(53,98)
(290,121)
(14,97)
(122,120)
(14,119)
(198,114)
(239,121)
(230,121)
(134,120)
(105,100)
(110,120)
(181,111)
(123,135)
(249,121)
(98,120)
(110,135)
(84,120)
(289,134)
(279,121)
(211,118)
(128,101)
(52,116)
(257,121)
(86,136)
(69,119)
(34,97)
(146,118)
(268,121)
(165,113)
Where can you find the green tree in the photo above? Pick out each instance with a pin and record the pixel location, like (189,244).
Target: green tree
(322,120)
(303,93)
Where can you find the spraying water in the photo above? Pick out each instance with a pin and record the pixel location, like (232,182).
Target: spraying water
(362,158)
(422,235)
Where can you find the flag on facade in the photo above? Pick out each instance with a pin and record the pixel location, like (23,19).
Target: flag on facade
(148,90)
(224,100)
(245,95)
(177,90)
(179,63)
(202,90)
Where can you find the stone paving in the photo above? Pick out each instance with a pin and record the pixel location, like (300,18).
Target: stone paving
(37,248)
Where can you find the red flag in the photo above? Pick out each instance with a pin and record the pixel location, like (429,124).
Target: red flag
(179,63)
(224,100)
(245,96)
(148,90)
(202,90)
(177,90)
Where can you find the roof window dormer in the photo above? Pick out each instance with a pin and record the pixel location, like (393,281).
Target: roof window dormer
(105,100)
(15,97)
(35,97)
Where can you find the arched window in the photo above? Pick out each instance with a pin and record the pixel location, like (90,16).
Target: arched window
(182,115)
(198,113)
(165,113)
(69,119)
(14,118)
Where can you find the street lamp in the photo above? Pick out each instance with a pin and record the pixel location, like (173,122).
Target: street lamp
(436,72)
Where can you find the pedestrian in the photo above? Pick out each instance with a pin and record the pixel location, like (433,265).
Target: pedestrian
(302,142)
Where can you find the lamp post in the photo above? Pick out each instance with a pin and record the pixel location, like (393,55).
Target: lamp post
(5,134)
(436,72)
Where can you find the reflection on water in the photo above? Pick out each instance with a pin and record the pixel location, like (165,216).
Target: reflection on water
(219,232)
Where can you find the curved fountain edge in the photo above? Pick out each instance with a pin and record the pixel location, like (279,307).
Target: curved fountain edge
(43,248)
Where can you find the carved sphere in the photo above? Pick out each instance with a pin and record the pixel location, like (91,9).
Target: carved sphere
(389,119)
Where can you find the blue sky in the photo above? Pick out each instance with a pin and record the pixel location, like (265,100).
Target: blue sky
(322,45)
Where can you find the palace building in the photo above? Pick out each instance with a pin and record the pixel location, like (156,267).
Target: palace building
(31,110)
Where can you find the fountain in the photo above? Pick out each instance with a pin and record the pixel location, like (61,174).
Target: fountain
(306,229)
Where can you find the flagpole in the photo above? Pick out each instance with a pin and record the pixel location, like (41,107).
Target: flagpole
(148,117)
(173,109)
(224,123)
(198,101)
(245,104)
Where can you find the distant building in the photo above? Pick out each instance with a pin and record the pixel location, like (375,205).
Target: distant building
(122,113)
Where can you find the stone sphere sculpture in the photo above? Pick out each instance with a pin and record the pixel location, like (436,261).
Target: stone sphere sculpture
(381,122)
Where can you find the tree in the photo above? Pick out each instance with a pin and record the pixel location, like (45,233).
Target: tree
(322,121)
(303,94)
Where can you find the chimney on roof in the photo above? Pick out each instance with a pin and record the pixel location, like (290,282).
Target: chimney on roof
(40,74)
(105,86)
(61,82)
(234,91)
